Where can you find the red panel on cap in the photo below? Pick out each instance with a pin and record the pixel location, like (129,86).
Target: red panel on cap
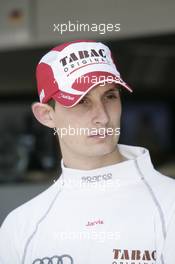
(46,81)
(91,79)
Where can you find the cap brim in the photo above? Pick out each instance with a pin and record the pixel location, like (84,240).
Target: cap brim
(88,82)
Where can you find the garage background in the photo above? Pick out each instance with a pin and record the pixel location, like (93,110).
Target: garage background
(144,48)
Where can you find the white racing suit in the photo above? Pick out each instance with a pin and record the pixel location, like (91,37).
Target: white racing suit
(119,214)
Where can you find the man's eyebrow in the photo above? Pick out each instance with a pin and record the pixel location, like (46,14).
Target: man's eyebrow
(112,90)
(115,88)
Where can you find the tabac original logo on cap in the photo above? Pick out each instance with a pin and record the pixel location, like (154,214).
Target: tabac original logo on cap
(83,57)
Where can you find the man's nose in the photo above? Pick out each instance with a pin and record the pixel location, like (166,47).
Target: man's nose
(99,114)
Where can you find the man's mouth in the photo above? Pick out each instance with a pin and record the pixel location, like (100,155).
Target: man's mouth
(98,135)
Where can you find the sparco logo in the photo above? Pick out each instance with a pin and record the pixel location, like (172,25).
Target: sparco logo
(123,256)
(63,259)
(97,178)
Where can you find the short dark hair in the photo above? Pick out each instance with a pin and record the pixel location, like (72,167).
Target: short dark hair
(51,102)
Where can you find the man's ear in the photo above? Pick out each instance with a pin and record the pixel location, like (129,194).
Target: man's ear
(43,113)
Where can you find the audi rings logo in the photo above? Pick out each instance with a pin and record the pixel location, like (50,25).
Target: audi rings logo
(63,259)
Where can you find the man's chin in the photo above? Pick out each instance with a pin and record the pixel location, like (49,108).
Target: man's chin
(101,150)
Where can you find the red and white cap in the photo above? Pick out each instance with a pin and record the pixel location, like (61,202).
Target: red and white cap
(71,70)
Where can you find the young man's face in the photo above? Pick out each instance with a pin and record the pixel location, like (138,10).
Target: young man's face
(99,111)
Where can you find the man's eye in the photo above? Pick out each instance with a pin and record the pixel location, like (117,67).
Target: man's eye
(112,96)
(83,101)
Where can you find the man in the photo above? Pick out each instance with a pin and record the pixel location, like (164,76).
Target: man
(109,205)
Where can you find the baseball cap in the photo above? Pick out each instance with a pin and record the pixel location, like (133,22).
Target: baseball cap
(69,71)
